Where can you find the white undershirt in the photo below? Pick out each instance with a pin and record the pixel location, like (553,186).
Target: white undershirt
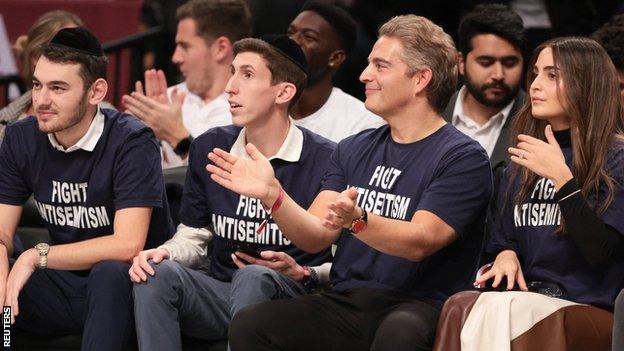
(486,134)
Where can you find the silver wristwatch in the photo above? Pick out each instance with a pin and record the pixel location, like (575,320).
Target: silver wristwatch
(42,249)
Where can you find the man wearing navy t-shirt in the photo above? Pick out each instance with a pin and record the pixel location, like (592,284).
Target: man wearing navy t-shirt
(96,180)
(404,204)
(171,295)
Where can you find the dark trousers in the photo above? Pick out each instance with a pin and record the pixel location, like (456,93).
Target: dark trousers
(359,319)
(97,304)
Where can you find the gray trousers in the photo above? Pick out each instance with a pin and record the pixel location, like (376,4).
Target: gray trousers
(618,323)
(178,299)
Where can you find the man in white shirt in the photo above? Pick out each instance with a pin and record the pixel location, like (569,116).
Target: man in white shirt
(206,31)
(490,61)
(326,33)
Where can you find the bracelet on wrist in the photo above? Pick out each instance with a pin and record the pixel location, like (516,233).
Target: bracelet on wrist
(269,212)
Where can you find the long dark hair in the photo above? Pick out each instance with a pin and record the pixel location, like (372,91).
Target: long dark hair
(594,106)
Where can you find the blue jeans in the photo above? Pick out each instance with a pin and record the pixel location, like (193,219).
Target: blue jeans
(178,299)
(98,305)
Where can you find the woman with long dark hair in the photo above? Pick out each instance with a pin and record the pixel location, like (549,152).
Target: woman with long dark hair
(559,233)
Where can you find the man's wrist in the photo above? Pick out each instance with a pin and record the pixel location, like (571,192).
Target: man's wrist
(359,223)
(32,257)
(302,273)
(272,194)
(177,134)
(181,135)
(358,212)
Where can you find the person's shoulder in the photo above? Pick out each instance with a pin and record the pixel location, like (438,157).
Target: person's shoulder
(23,124)
(615,153)
(453,141)
(218,136)
(123,123)
(364,137)
(617,145)
(455,137)
(316,141)
(23,131)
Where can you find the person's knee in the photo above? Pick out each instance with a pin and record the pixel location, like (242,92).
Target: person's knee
(165,276)
(253,273)
(253,281)
(109,289)
(253,284)
(110,270)
(405,330)
(110,274)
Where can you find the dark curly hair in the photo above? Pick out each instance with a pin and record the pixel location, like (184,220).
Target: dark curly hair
(611,37)
(494,19)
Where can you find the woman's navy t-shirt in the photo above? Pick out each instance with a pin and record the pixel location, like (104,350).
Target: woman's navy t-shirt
(529,229)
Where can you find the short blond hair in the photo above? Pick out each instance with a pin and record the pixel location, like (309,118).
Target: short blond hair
(425,45)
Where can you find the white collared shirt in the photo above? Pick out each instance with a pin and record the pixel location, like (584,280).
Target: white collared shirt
(486,134)
(197,117)
(88,141)
(289,151)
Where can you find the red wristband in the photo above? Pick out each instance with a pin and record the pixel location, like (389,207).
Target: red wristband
(275,207)
(278,202)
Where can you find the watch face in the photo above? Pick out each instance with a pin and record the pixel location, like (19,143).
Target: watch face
(42,247)
(358,226)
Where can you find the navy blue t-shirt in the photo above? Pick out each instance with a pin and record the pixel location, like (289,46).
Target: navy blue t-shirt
(529,229)
(235,218)
(77,193)
(446,173)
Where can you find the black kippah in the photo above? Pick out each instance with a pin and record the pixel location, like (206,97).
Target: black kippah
(338,18)
(288,48)
(78,39)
